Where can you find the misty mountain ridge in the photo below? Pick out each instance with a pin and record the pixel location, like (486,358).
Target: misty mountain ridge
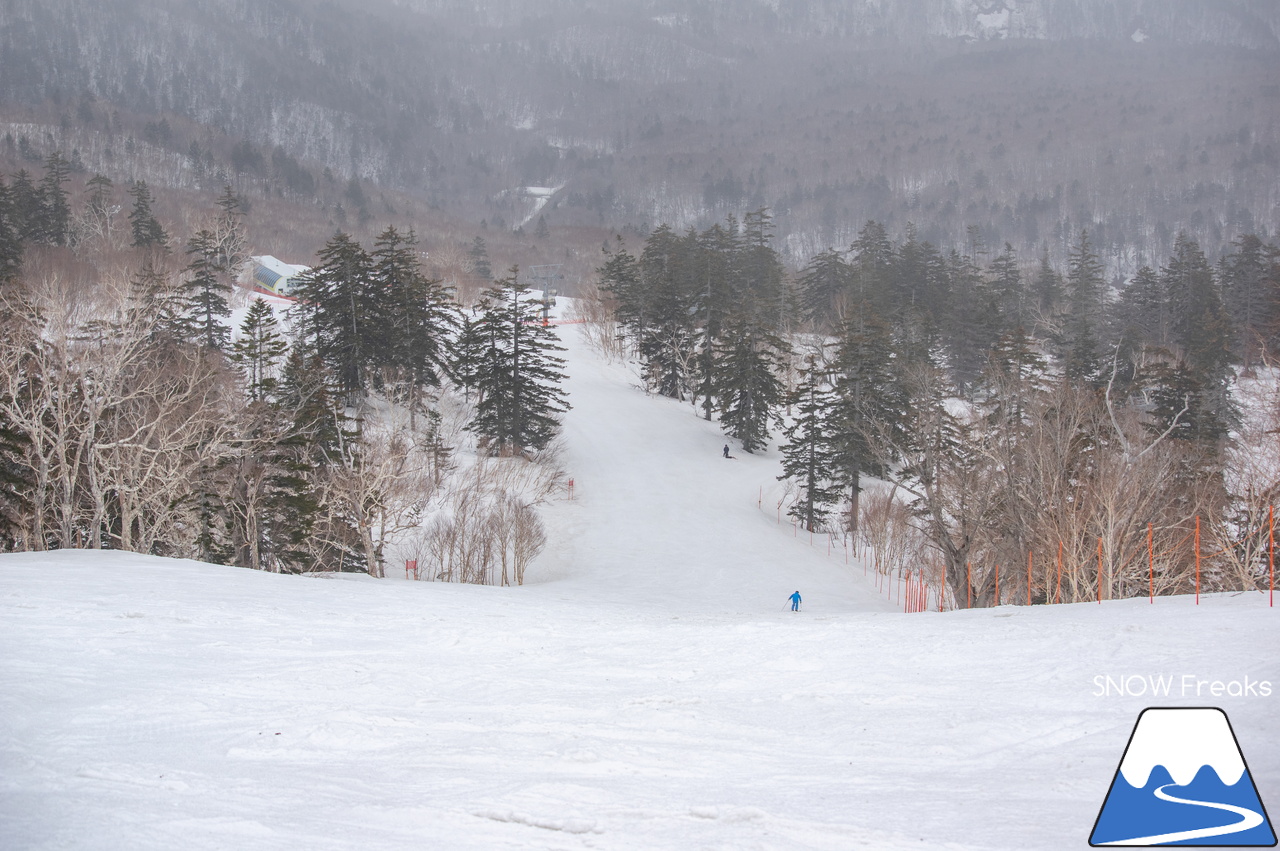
(1022,122)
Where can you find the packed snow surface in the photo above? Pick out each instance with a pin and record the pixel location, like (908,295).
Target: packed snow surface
(647,689)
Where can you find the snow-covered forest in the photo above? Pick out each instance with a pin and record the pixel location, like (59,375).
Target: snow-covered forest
(634,423)
(1014,413)
(138,414)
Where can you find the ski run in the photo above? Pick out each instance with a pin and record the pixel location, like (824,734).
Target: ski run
(648,688)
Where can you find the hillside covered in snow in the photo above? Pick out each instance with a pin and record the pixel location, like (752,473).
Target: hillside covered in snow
(646,688)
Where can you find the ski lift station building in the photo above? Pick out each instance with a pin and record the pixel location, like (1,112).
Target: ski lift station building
(273,275)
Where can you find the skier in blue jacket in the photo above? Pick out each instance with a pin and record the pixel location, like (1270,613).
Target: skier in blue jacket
(795,602)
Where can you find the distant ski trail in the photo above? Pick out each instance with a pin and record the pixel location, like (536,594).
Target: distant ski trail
(659,520)
(1249,820)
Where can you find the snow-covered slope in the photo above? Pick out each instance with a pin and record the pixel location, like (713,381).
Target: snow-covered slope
(647,690)
(661,519)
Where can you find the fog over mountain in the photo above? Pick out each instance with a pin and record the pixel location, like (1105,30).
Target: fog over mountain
(975,120)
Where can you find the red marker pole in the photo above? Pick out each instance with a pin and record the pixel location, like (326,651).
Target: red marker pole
(968,584)
(1151,565)
(1028,577)
(1197,559)
(1099,570)
(1057,597)
(1271,551)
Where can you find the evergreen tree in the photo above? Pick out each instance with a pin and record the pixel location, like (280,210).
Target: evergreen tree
(10,238)
(343,314)
(519,375)
(807,455)
(1140,315)
(760,271)
(1178,402)
(1048,288)
(98,202)
(873,269)
(156,303)
(715,253)
(146,229)
(746,360)
(1198,322)
(15,483)
(27,206)
(1199,330)
(55,220)
(294,526)
(228,234)
(259,350)
(207,291)
(868,410)
(1006,287)
(825,286)
(1015,373)
(1251,291)
(470,351)
(973,323)
(619,277)
(1082,348)
(479,255)
(663,312)
(920,277)
(416,339)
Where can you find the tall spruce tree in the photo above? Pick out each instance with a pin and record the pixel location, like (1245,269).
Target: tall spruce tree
(663,312)
(207,291)
(479,254)
(420,319)
(27,206)
(10,238)
(157,303)
(921,280)
(808,458)
(258,351)
(715,276)
(228,234)
(143,224)
(973,324)
(868,410)
(760,271)
(1200,333)
(1082,347)
(314,429)
(825,285)
(1251,291)
(15,483)
(470,351)
(519,375)
(1005,284)
(342,314)
(55,224)
(1141,314)
(746,362)
(1047,288)
(619,277)
(873,269)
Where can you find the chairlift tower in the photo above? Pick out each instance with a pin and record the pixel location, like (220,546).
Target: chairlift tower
(546,275)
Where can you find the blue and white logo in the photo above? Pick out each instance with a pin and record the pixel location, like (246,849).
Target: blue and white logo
(1183,781)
